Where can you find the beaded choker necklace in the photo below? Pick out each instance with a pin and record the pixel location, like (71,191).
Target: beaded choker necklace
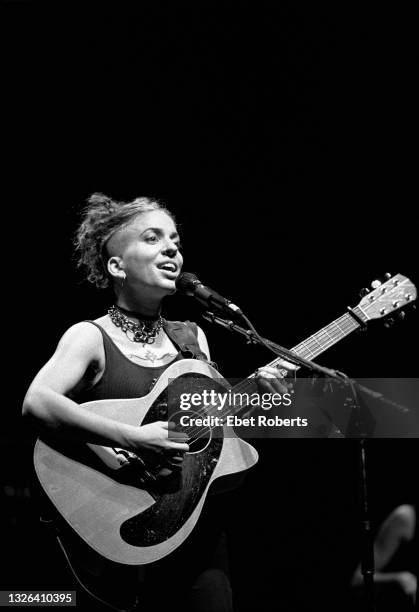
(145,331)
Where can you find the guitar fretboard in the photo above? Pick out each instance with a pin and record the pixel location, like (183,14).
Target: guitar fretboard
(308,349)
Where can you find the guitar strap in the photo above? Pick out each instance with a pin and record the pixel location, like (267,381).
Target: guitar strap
(184,335)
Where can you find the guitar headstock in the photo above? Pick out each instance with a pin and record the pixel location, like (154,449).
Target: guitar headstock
(387,298)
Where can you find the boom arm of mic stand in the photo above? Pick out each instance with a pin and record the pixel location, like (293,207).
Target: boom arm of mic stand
(276,348)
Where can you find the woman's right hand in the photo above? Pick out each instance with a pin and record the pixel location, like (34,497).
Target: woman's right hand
(155,436)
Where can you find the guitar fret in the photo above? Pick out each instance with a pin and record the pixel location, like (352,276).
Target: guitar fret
(311,343)
(325,338)
(304,349)
(333,336)
(327,333)
(323,345)
(317,342)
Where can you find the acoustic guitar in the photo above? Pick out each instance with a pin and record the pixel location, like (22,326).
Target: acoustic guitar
(132,509)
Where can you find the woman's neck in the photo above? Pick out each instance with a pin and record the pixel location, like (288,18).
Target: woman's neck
(140,307)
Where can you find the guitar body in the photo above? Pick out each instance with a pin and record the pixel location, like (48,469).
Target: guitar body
(112,510)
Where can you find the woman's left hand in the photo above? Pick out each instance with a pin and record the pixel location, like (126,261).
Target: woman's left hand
(273,380)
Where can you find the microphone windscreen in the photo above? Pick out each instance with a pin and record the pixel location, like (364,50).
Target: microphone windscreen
(186,282)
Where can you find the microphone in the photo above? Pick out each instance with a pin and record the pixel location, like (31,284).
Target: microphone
(189,284)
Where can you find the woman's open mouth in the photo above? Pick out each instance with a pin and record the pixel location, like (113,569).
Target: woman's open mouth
(170,268)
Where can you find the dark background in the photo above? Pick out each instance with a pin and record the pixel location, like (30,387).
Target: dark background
(282,136)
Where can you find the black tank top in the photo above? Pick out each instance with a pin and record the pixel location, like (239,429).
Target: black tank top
(122,378)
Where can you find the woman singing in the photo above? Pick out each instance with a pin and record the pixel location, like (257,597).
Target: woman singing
(134,248)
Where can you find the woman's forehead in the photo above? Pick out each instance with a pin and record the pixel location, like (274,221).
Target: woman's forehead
(158,219)
(153,219)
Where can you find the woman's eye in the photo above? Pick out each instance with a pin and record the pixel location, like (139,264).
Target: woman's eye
(152,238)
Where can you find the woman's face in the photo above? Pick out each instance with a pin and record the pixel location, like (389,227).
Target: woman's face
(149,252)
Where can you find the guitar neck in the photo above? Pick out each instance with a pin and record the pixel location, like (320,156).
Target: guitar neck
(308,349)
(328,336)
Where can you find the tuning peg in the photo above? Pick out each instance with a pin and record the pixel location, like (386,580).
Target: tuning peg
(401,315)
(375,284)
(389,323)
(387,275)
(364,292)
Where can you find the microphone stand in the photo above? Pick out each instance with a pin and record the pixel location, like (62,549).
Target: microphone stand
(367,554)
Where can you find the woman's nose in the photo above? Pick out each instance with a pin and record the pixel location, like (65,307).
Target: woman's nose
(170,248)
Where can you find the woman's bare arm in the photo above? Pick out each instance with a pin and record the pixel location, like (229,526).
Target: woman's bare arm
(49,405)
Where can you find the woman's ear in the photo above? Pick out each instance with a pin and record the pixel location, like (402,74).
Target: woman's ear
(115,267)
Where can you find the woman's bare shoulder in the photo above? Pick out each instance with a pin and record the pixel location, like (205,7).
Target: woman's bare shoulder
(82,336)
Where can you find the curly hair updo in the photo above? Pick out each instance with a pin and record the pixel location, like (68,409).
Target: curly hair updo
(101,218)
